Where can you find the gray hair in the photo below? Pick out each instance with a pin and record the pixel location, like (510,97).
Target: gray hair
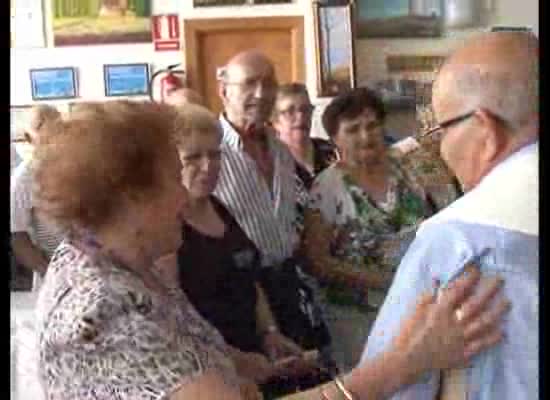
(513,97)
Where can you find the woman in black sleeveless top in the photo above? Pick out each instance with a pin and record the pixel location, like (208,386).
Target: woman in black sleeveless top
(218,275)
(218,264)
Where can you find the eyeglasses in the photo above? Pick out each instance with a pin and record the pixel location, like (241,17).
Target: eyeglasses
(293,111)
(195,158)
(25,138)
(446,124)
(252,84)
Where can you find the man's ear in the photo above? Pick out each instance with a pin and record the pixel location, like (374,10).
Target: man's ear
(493,135)
(221,90)
(274,124)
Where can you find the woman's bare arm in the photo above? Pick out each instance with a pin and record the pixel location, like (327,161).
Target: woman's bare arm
(264,317)
(27,253)
(431,339)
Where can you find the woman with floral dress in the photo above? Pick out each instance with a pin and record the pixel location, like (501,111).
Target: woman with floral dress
(363,214)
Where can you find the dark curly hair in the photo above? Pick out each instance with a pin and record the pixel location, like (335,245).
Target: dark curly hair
(350,105)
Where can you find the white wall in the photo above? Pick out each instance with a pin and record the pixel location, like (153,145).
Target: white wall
(517,12)
(88,60)
(370,55)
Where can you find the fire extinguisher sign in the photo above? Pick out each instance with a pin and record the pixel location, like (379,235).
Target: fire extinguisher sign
(166,32)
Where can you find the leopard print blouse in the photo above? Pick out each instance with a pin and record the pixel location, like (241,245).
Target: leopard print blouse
(104,335)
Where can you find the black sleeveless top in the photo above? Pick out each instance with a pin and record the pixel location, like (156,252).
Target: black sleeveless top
(218,276)
(324,154)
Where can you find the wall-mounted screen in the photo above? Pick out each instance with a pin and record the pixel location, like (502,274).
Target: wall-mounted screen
(53,83)
(126,79)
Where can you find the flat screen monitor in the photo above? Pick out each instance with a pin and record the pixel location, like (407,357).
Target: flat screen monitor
(126,79)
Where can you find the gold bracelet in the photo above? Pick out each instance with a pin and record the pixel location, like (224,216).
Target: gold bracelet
(347,394)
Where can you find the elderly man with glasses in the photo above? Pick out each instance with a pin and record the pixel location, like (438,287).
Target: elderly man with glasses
(486,99)
(259,185)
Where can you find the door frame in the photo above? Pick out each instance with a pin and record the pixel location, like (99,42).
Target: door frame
(194,28)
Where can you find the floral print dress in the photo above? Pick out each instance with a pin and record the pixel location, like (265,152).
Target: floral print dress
(365,235)
(103,334)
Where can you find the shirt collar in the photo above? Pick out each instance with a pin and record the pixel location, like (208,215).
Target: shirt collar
(230,136)
(233,139)
(517,155)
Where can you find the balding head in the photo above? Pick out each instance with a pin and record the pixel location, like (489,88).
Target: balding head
(247,89)
(497,71)
(249,59)
(181,97)
(493,82)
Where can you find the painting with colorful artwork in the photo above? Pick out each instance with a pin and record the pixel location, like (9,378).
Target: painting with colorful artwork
(399,18)
(335,58)
(82,22)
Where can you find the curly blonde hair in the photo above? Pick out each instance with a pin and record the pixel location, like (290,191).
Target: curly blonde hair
(99,156)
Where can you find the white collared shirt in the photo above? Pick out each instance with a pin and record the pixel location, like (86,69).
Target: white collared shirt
(268,216)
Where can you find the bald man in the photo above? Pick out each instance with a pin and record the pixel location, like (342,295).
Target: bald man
(486,101)
(257,181)
(259,186)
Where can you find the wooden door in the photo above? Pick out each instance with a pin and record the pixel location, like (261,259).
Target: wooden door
(210,43)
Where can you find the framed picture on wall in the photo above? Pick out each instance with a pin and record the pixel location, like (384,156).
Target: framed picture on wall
(212,3)
(335,48)
(399,18)
(85,22)
(126,79)
(53,83)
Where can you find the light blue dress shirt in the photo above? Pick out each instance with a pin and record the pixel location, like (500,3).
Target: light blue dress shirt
(495,224)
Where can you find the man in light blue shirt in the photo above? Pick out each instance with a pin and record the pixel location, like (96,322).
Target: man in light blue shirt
(486,99)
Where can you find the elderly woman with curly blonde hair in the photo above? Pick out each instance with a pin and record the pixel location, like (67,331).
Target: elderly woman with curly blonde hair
(112,327)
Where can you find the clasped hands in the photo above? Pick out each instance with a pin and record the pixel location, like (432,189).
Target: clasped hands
(283,358)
